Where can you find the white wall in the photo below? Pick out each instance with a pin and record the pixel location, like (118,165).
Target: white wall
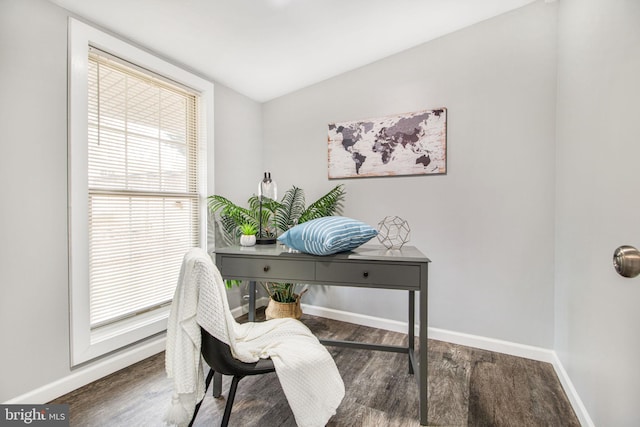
(598,149)
(488,224)
(34,308)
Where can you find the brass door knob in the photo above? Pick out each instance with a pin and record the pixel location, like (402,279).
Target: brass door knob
(626,261)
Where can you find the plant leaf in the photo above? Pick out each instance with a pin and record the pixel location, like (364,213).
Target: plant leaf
(290,209)
(269,208)
(277,217)
(327,205)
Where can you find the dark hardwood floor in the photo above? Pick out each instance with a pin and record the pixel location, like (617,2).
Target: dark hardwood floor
(466,387)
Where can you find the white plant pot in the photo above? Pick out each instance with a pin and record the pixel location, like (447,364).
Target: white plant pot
(246,240)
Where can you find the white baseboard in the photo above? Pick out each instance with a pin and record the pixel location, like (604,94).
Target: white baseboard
(87,374)
(358,319)
(492,344)
(484,343)
(244,309)
(572,394)
(93,372)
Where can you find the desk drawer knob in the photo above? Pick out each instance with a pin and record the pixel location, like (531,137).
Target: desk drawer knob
(365,274)
(266,268)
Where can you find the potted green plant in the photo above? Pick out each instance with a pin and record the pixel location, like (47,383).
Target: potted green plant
(284,301)
(277,217)
(248,234)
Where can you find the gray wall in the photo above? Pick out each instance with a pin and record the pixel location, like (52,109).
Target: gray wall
(598,147)
(488,224)
(34,308)
(238,155)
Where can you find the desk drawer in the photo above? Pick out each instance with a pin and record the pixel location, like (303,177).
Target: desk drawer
(253,268)
(402,276)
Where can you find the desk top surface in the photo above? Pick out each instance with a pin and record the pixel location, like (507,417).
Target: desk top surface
(365,252)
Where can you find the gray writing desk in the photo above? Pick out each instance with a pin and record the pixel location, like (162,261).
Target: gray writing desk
(367,266)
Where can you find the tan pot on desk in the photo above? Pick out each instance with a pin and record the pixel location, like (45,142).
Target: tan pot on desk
(279,310)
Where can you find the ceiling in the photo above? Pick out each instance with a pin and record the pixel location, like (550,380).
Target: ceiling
(267,48)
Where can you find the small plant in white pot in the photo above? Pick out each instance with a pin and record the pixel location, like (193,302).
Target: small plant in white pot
(248,234)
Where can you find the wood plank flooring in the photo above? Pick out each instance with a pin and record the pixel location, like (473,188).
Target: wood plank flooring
(466,387)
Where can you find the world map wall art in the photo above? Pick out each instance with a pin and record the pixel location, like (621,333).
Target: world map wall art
(403,144)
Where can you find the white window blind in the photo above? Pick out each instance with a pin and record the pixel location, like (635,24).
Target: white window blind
(143,187)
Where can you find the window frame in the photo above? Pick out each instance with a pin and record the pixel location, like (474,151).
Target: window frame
(85,343)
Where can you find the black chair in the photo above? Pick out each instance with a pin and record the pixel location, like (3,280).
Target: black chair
(218,356)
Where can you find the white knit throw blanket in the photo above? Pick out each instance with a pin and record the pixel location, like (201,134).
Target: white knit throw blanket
(307,373)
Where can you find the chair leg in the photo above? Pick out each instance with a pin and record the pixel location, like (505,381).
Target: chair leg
(206,387)
(217,385)
(230,398)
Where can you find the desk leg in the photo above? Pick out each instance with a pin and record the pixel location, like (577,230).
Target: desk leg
(412,322)
(252,301)
(422,342)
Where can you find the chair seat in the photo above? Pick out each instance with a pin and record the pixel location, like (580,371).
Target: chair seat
(218,356)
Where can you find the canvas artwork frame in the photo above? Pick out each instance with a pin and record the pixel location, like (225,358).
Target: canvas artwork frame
(401,144)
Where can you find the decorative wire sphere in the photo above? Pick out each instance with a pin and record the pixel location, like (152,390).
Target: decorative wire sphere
(393,232)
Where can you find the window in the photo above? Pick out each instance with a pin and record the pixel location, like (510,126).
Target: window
(137,187)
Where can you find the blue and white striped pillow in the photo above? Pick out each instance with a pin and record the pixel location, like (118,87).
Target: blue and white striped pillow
(328,235)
